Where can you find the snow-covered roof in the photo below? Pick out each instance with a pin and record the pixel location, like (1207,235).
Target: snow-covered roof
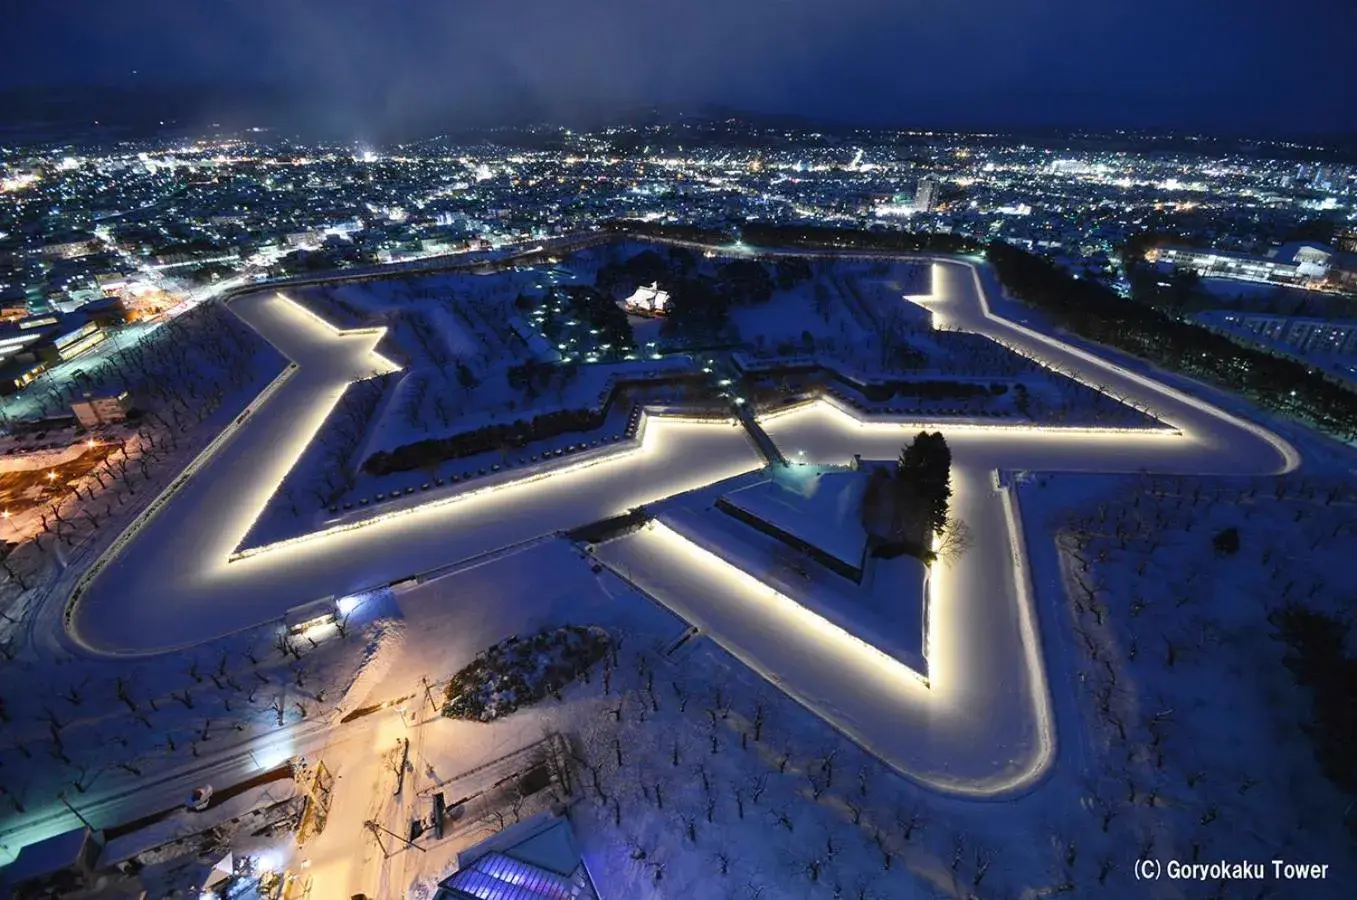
(497,876)
(47,856)
(1295,251)
(648,297)
(533,860)
(553,849)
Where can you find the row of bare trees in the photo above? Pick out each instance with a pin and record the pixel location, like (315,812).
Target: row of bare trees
(133,722)
(1149,618)
(707,757)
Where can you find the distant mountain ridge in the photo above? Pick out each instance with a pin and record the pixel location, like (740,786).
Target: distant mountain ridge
(105,112)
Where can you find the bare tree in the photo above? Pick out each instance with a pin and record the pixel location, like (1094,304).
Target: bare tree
(955,540)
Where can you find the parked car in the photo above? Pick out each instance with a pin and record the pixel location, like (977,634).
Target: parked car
(198,800)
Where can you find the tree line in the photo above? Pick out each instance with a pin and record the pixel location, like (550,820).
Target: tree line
(432,451)
(1095,312)
(504,436)
(689,233)
(822,236)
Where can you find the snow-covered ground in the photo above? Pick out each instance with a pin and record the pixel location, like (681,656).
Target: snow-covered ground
(879,601)
(750,788)
(818,506)
(981,725)
(123,610)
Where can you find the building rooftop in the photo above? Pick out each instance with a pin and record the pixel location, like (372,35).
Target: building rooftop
(535,860)
(60,851)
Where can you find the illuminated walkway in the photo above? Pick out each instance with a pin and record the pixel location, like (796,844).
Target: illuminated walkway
(172,585)
(982,726)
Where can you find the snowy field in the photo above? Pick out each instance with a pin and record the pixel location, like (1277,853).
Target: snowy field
(889,355)
(819,507)
(698,778)
(762,756)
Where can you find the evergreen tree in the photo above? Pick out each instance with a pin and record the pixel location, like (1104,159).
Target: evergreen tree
(924,471)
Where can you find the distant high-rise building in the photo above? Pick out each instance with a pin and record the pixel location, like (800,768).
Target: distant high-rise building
(1345,239)
(926,197)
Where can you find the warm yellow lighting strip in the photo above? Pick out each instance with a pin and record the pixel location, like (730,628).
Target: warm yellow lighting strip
(784,607)
(634,446)
(892,420)
(378,330)
(1288,453)
(1039,689)
(147,515)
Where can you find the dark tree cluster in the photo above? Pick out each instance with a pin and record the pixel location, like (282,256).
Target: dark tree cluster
(825,237)
(429,452)
(517,672)
(432,451)
(1319,659)
(620,279)
(688,233)
(924,472)
(1226,541)
(302,262)
(700,306)
(697,308)
(601,312)
(745,282)
(1095,312)
(534,375)
(943,389)
(1181,293)
(902,508)
(789,271)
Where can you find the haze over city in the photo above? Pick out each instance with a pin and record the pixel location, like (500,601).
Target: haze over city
(408,66)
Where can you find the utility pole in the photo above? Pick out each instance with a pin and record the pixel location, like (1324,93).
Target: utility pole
(428,692)
(377,830)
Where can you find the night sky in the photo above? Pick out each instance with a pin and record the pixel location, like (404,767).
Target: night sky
(1232,65)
